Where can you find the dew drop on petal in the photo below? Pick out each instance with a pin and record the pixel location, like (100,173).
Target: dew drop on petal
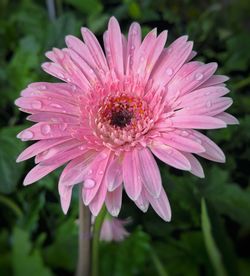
(209,104)
(45,129)
(101,172)
(198,76)
(184,133)
(55,105)
(81,147)
(42,87)
(169,71)
(36,104)
(26,135)
(90,172)
(89,183)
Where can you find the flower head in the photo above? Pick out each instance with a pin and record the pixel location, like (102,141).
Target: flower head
(114,111)
(113,229)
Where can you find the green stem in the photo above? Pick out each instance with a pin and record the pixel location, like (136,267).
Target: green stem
(95,243)
(83,265)
(158,265)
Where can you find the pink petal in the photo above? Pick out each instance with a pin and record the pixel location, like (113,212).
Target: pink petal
(161,205)
(96,174)
(97,202)
(53,117)
(142,201)
(196,121)
(81,49)
(95,49)
(65,197)
(194,75)
(57,149)
(39,147)
(42,104)
(213,152)
(227,118)
(201,95)
(114,201)
(149,172)
(131,176)
(196,167)
(170,156)
(77,169)
(214,80)
(208,107)
(134,42)
(181,143)
(171,60)
(42,131)
(114,47)
(44,168)
(114,174)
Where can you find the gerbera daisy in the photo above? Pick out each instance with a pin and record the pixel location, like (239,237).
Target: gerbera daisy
(115,110)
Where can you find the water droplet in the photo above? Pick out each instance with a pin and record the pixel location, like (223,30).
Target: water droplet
(42,87)
(81,147)
(45,129)
(36,104)
(169,71)
(55,105)
(90,172)
(91,71)
(198,76)
(209,104)
(184,133)
(132,47)
(89,183)
(26,135)
(101,172)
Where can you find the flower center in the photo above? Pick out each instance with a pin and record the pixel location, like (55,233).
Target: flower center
(121,118)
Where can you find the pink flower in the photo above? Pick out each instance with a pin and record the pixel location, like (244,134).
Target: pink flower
(113,229)
(113,111)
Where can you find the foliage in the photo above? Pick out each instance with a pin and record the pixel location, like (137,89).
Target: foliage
(37,239)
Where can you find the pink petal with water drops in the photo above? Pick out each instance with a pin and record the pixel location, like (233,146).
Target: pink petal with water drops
(170,156)
(149,172)
(114,174)
(131,175)
(161,205)
(196,167)
(142,201)
(114,201)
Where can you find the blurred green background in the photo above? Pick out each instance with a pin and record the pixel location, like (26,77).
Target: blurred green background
(210,230)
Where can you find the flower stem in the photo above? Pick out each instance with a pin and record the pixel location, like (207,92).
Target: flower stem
(83,266)
(95,243)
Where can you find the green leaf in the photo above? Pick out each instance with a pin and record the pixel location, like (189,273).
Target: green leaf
(212,249)
(86,6)
(25,259)
(10,147)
